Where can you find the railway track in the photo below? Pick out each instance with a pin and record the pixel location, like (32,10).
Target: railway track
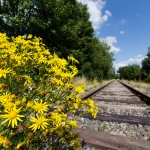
(123,120)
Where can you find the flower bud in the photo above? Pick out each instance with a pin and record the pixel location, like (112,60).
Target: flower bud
(2,63)
(35,91)
(40,69)
(44,93)
(30,134)
(4,86)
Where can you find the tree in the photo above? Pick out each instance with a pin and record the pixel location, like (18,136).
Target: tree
(102,60)
(134,72)
(16,16)
(146,69)
(131,72)
(64,27)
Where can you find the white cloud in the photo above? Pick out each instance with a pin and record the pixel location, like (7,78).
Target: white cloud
(107,14)
(97,32)
(123,21)
(122,32)
(95,9)
(139,56)
(136,60)
(111,40)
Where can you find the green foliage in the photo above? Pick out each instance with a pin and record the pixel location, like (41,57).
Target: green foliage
(130,72)
(146,69)
(64,27)
(147,79)
(117,76)
(97,62)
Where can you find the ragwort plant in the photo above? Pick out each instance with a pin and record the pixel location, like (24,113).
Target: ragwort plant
(34,107)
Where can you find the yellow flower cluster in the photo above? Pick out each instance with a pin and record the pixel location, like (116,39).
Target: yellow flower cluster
(36,95)
(5,142)
(93,109)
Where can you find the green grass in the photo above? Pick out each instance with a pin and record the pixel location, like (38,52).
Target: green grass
(82,81)
(139,84)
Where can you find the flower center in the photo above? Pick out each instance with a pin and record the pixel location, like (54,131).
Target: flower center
(12,114)
(39,122)
(39,106)
(9,104)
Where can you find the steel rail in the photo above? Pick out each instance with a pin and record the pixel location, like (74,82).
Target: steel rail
(115,142)
(144,97)
(88,94)
(118,118)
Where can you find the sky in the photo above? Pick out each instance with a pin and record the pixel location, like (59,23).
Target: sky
(124,25)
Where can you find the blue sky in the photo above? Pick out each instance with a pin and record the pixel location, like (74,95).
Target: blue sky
(124,25)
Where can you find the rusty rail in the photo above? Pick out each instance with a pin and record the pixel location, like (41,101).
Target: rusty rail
(88,94)
(115,142)
(120,118)
(144,97)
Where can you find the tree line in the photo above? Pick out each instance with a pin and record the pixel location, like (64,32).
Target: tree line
(65,29)
(135,72)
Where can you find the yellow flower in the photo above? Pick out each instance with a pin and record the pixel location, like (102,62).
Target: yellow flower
(29,104)
(58,118)
(76,105)
(4,72)
(91,103)
(74,70)
(79,89)
(42,59)
(6,97)
(29,80)
(93,111)
(8,105)
(18,59)
(72,59)
(69,85)
(2,139)
(73,123)
(12,116)
(29,36)
(93,108)
(13,96)
(40,106)
(26,56)
(17,102)
(6,143)
(39,123)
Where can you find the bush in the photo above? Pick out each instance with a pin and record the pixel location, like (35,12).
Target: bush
(36,97)
(147,79)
